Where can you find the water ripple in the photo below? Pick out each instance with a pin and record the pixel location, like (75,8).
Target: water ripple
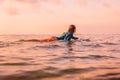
(16,64)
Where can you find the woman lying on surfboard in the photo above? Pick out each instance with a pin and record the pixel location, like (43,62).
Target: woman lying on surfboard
(66,36)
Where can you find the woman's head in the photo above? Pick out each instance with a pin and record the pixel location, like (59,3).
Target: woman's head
(72,28)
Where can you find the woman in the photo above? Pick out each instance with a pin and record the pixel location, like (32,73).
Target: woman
(67,36)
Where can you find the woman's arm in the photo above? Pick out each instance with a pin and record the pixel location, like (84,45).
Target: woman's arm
(74,37)
(70,36)
(42,40)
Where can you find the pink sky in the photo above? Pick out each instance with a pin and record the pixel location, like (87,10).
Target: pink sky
(54,16)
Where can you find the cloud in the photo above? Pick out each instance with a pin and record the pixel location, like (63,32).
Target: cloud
(112,8)
(33,5)
(36,2)
(30,3)
(106,5)
(11,10)
(27,1)
(13,7)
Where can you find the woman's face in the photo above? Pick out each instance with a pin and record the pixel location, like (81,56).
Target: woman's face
(74,30)
(70,27)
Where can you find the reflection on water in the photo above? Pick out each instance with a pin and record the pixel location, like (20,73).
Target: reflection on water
(96,58)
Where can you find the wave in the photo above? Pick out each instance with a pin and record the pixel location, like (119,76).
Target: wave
(8,44)
(108,76)
(90,57)
(21,58)
(109,43)
(114,50)
(50,46)
(93,45)
(40,74)
(16,64)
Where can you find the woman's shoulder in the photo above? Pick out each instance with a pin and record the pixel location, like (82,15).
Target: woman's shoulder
(64,32)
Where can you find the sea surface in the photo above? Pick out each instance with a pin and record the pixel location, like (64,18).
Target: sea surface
(96,58)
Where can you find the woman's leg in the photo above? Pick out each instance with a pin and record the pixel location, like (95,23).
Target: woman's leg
(49,39)
(43,40)
(32,40)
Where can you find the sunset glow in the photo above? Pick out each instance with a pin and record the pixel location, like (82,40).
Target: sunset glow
(54,16)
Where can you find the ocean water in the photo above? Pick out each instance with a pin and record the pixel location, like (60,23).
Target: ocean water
(97,58)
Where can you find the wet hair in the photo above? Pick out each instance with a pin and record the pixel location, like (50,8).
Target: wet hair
(72,28)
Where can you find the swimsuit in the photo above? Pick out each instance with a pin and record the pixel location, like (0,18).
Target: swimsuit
(67,36)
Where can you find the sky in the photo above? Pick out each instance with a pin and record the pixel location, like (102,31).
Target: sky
(55,16)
